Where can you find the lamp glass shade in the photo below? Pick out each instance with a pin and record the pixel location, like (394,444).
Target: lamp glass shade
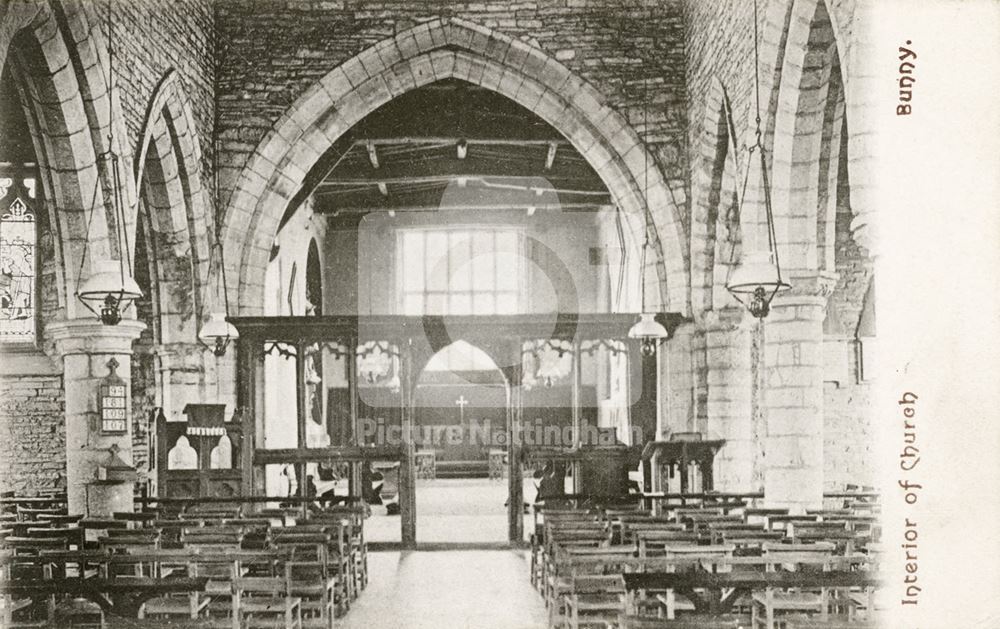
(647,328)
(109,280)
(757,269)
(217,328)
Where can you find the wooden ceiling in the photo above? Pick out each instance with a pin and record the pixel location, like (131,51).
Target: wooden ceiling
(452,146)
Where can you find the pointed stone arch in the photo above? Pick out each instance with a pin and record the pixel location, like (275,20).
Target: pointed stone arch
(715,233)
(173,208)
(810,97)
(435,50)
(62,63)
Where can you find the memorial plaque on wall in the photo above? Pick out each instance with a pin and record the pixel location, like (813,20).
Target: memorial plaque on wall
(113,402)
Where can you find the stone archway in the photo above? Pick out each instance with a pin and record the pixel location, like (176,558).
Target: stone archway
(794,37)
(715,184)
(446,48)
(810,85)
(173,208)
(62,59)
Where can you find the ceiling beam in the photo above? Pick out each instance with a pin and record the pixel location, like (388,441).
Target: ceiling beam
(523,165)
(332,184)
(368,196)
(333,210)
(454,140)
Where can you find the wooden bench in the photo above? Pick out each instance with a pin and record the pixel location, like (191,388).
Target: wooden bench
(310,574)
(652,542)
(699,621)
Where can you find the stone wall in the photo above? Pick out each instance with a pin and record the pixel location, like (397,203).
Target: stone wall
(32,433)
(847,430)
(154,36)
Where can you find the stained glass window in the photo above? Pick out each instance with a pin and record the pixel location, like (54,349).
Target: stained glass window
(17,267)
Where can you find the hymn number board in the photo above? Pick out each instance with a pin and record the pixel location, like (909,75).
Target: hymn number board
(113,402)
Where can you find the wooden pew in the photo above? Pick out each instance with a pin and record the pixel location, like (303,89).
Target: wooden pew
(569,565)
(652,542)
(309,574)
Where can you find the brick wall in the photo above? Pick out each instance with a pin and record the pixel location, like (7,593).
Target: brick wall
(32,434)
(277,50)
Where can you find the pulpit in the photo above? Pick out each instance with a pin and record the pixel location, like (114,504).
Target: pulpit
(200,456)
(686,454)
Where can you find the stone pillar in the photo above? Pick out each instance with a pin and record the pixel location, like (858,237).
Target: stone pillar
(86,347)
(729,404)
(676,384)
(793,395)
(189,374)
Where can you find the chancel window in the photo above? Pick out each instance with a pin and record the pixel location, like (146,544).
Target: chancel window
(461,271)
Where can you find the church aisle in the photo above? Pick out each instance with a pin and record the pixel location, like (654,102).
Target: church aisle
(445,590)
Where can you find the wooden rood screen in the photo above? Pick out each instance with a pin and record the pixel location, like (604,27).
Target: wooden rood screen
(324,397)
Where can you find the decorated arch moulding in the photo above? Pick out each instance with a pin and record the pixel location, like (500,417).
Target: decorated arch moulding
(421,55)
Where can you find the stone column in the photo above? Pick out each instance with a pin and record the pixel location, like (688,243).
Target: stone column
(793,395)
(86,347)
(729,404)
(189,373)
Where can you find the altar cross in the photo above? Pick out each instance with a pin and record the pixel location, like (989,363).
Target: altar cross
(462,403)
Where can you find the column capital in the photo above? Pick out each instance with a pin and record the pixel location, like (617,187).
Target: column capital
(725,319)
(87,336)
(181,356)
(810,289)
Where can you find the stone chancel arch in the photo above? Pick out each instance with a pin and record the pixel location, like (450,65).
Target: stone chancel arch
(433,51)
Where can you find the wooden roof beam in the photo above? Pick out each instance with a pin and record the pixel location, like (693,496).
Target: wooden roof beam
(452,141)
(336,210)
(550,159)
(586,183)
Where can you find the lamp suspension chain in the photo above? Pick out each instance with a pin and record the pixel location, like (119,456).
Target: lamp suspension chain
(758,278)
(647,330)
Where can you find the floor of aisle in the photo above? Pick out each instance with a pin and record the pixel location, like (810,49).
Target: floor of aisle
(447,590)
